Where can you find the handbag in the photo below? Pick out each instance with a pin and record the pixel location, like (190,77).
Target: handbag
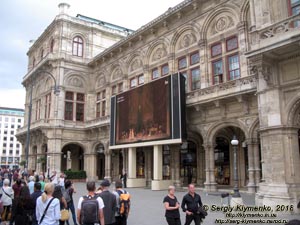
(64,215)
(3,215)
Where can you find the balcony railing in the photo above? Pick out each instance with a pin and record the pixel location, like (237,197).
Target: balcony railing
(233,87)
(288,25)
(102,121)
(275,35)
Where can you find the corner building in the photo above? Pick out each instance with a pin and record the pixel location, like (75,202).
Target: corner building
(242,67)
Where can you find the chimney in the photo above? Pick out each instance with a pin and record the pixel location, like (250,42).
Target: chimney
(63,8)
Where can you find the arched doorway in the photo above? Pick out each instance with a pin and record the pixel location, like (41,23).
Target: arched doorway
(100,161)
(188,162)
(223,156)
(72,157)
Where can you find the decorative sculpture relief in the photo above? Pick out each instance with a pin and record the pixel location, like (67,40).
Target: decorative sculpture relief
(187,40)
(117,74)
(221,24)
(159,54)
(136,64)
(101,82)
(75,82)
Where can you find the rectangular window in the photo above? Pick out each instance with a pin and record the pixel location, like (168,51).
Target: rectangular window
(114,90)
(165,70)
(19,120)
(17,152)
(133,83)
(232,43)
(195,73)
(5,132)
(295,10)
(103,108)
(11,139)
(13,120)
(155,74)
(10,152)
(18,145)
(6,119)
(218,72)
(11,145)
(4,138)
(186,80)
(38,110)
(12,132)
(3,159)
(69,95)
(98,96)
(141,79)
(79,112)
(69,111)
(12,126)
(234,67)
(47,106)
(98,106)
(182,63)
(194,58)
(120,87)
(216,50)
(80,97)
(4,151)
(101,97)
(4,145)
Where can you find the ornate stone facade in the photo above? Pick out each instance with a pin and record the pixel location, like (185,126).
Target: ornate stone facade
(242,66)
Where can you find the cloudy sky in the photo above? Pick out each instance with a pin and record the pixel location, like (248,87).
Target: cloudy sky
(24,20)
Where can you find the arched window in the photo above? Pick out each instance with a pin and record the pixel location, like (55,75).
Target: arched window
(33,62)
(78,46)
(52,45)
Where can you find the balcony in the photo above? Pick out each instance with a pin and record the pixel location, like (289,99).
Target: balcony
(231,88)
(99,122)
(276,35)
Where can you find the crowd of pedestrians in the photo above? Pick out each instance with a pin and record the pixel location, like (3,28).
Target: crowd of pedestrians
(30,200)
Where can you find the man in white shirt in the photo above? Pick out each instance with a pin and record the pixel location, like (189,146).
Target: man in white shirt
(88,217)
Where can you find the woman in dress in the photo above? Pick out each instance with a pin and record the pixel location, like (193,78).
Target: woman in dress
(52,214)
(172,207)
(22,208)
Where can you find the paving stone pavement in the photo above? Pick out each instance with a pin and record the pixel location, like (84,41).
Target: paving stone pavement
(147,207)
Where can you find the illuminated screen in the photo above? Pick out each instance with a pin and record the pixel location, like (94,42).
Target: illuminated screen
(150,112)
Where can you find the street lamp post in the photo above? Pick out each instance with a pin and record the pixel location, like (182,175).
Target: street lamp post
(236,197)
(56,92)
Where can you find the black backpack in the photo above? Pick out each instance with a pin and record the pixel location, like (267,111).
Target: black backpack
(89,210)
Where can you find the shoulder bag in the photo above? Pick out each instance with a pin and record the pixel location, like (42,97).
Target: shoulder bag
(41,220)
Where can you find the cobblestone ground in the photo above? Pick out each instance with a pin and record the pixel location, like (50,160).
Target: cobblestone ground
(147,207)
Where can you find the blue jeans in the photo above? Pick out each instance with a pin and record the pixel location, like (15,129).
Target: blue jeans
(72,208)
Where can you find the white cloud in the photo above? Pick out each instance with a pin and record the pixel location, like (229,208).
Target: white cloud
(13,98)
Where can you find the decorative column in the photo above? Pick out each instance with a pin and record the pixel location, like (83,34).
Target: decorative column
(148,169)
(157,162)
(107,154)
(210,182)
(251,171)
(175,165)
(89,165)
(132,163)
(257,169)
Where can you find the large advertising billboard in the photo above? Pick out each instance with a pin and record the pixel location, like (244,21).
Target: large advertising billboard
(148,114)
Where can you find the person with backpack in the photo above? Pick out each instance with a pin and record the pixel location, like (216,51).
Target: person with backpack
(47,207)
(123,204)
(90,207)
(68,194)
(109,200)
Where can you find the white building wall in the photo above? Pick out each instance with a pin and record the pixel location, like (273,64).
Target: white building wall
(10,148)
